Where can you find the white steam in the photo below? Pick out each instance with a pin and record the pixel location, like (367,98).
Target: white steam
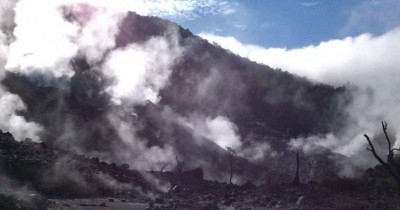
(46,41)
(43,40)
(10,104)
(371,63)
(220,130)
(10,121)
(141,70)
(134,150)
(49,33)
(257,151)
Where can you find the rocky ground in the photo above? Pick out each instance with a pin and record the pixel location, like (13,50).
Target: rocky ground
(222,196)
(34,176)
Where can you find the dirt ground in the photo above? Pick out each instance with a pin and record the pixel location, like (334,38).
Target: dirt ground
(94,204)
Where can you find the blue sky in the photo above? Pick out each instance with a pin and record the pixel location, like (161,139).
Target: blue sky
(292,23)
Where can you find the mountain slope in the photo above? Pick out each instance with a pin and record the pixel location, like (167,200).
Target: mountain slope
(209,98)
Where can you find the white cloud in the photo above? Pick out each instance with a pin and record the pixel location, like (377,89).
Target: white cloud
(370,62)
(266,25)
(224,8)
(374,15)
(240,26)
(172,8)
(310,3)
(335,61)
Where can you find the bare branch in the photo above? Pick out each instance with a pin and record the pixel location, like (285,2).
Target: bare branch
(390,156)
(162,169)
(372,149)
(179,166)
(384,128)
(388,168)
(231,156)
(296,180)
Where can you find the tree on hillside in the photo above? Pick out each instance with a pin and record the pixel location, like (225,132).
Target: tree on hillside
(391,166)
(231,158)
(296,179)
(179,166)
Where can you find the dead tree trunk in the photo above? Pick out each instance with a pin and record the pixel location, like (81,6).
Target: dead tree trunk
(162,169)
(179,166)
(231,171)
(391,167)
(296,180)
(231,158)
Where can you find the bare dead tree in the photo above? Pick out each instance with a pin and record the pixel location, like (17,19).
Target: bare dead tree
(296,180)
(267,177)
(231,158)
(390,166)
(162,168)
(179,165)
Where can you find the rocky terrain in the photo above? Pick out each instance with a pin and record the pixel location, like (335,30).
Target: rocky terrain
(153,117)
(93,184)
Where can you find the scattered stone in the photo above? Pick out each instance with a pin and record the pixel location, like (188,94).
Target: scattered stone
(103,205)
(228,201)
(159,201)
(151,204)
(90,204)
(382,205)
(248,185)
(210,206)
(125,166)
(300,201)
(171,202)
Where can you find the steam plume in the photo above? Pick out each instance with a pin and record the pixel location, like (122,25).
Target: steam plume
(11,104)
(368,65)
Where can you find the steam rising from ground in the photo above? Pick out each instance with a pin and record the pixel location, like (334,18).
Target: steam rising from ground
(10,104)
(13,188)
(369,67)
(90,32)
(134,150)
(223,132)
(140,70)
(43,52)
(10,121)
(41,47)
